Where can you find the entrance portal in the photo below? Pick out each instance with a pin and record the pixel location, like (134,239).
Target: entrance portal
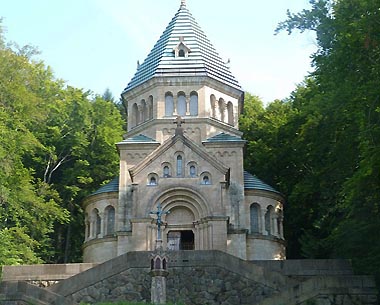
(181,240)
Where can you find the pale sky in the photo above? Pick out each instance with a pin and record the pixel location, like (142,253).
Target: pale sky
(95,44)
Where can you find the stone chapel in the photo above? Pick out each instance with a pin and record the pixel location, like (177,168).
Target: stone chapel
(184,151)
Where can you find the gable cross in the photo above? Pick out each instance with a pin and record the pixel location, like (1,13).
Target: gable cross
(179,121)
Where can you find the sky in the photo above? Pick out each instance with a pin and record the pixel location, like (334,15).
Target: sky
(95,44)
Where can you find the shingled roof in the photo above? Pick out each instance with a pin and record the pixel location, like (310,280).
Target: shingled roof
(251,182)
(202,59)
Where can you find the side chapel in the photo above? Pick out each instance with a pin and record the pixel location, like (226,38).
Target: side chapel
(184,151)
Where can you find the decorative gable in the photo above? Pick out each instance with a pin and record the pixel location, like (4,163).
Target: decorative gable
(181,49)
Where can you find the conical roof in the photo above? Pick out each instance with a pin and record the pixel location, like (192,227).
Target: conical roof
(202,59)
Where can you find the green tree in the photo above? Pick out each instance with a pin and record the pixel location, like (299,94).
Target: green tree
(343,134)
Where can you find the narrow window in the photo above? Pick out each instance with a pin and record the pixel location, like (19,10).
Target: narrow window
(150,107)
(192,171)
(169,104)
(179,166)
(213,105)
(230,113)
(269,220)
(98,224)
(181,53)
(181,104)
(166,171)
(193,103)
(110,210)
(206,180)
(152,181)
(135,115)
(254,217)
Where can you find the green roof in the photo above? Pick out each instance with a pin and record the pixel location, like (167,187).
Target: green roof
(112,186)
(202,60)
(251,182)
(224,137)
(139,139)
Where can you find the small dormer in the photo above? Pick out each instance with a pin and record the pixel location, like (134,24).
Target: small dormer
(181,49)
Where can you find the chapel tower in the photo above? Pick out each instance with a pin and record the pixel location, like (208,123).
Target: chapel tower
(184,150)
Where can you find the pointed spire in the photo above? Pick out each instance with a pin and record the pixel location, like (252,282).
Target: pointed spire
(202,59)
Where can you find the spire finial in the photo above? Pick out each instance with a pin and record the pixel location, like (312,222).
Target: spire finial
(183,2)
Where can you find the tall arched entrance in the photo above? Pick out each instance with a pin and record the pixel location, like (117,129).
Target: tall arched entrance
(183,226)
(180,226)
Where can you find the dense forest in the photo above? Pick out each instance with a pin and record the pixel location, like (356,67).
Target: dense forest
(320,147)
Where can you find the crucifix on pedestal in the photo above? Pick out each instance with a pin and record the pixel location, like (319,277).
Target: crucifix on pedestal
(159,223)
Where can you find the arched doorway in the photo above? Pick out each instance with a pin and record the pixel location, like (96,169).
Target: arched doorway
(180,221)
(180,240)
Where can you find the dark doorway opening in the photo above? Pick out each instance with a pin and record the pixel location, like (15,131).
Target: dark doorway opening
(181,240)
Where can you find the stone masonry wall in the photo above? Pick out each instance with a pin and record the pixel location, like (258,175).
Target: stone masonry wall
(204,278)
(212,286)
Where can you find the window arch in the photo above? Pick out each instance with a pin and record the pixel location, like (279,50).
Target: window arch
(152,179)
(254,213)
(110,217)
(166,169)
(97,222)
(213,105)
(230,113)
(269,220)
(169,104)
(87,225)
(192,171)
(135,115)
(179,165)
(206,178)
(150,107)
(181,104)
(193,103)
(222,107)
(144,111)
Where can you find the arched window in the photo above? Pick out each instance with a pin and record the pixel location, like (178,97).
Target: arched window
(144,111)
(110,214)
(150,107)
(222,108)
(205,178)
(97,222)
(169,104)
(193,103)
(213,105)
(135,115)
(179,166)
(269,220)
(193,171)
(181,104)
(230,113)
(87,225)
(152,179)
(181,53)
(254,217)
(166,171)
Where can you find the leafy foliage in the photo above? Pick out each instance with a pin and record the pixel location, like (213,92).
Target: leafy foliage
(321,147)
(57,145)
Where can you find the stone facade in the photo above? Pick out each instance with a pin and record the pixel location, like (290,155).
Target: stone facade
(184,150)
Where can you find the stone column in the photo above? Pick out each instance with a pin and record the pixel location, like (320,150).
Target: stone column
(158,273)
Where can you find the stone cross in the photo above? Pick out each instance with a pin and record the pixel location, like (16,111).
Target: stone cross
(179,121)
(159,222)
